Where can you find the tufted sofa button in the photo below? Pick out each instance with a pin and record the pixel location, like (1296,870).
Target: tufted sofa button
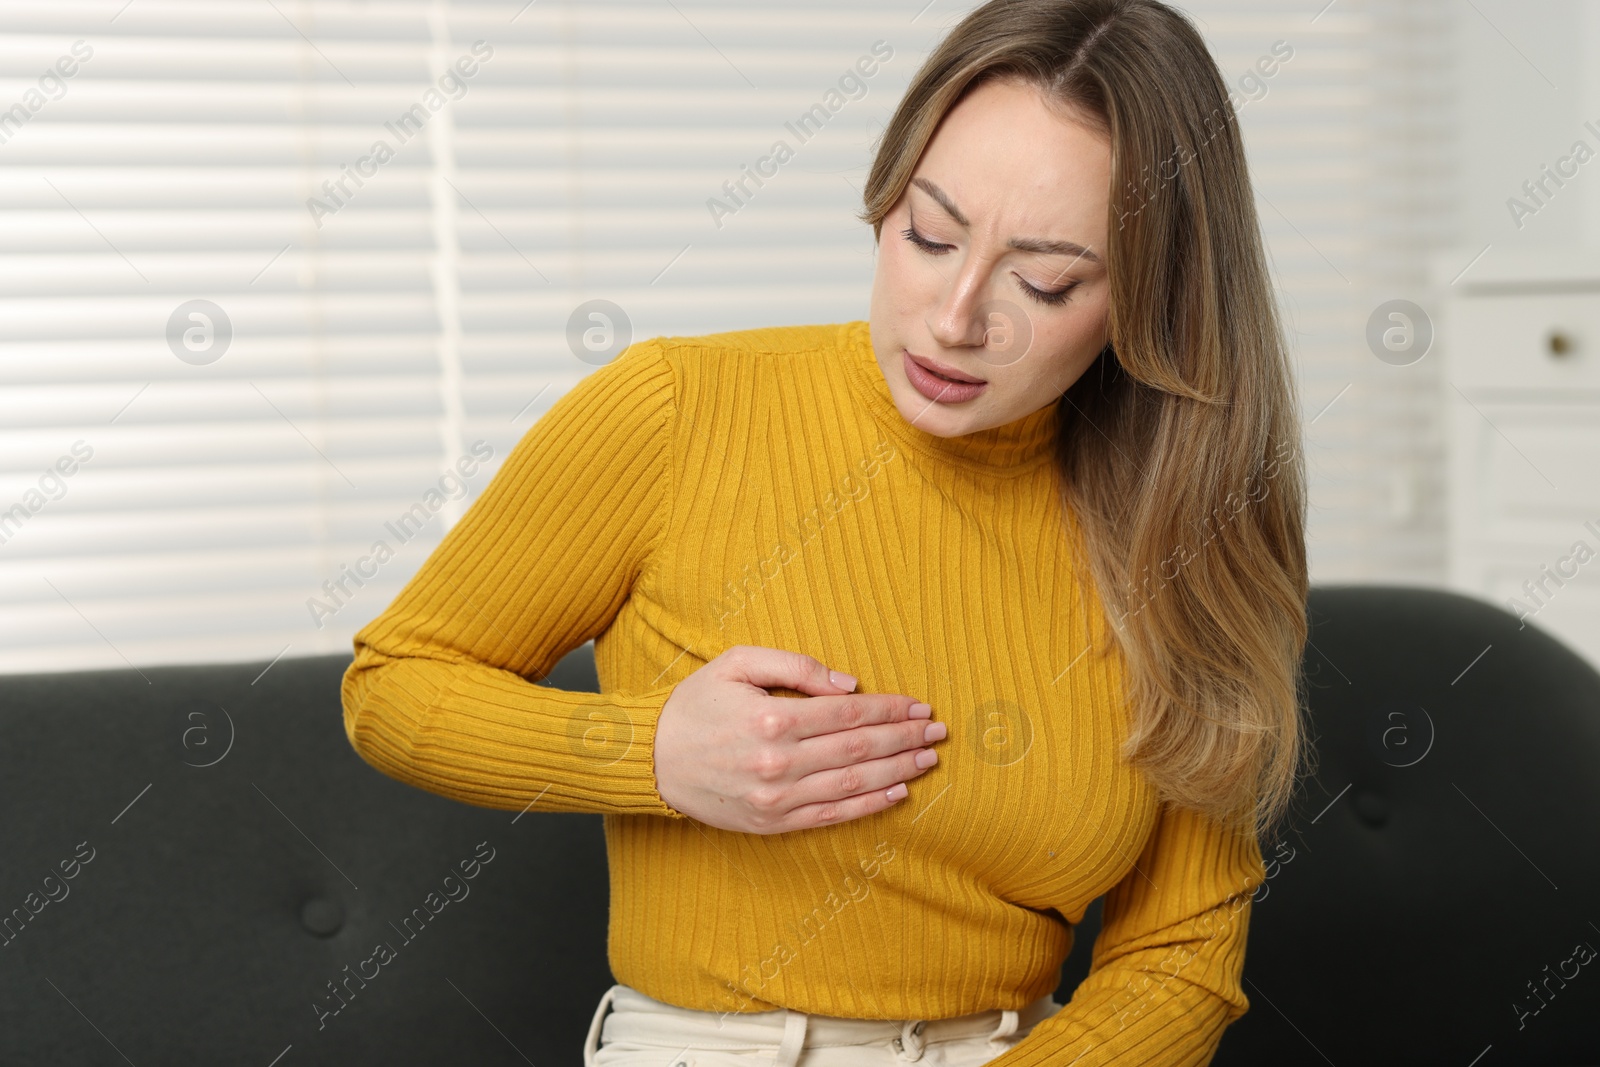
(322,917)
(1371,809)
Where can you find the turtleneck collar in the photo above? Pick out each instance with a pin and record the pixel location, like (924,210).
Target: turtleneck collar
(1011,449)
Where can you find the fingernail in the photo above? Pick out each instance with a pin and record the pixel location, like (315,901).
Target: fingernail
(896,792)
(921,711)
(842,680)
(934,731)
(926,758)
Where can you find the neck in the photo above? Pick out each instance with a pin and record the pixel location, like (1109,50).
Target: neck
(1012,448)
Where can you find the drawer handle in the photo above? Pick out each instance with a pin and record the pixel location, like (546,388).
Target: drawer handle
(1560,343)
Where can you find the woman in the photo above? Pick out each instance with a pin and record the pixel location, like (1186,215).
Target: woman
(1043,514)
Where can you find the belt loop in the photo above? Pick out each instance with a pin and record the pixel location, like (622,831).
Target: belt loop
(1007,1027)
(794,1039)
(909,1044)
(591,1044)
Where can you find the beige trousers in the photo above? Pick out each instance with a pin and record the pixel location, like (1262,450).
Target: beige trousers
(643,1032)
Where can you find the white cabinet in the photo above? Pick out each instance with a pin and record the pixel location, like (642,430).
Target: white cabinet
(1519,342)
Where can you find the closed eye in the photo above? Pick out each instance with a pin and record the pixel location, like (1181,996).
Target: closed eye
(1042,296)
(931,247)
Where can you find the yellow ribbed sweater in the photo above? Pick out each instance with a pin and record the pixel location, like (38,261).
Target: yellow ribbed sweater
(760,487)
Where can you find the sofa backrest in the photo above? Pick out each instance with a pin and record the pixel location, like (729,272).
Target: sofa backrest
(1441,868)
(199,869)
(197,862)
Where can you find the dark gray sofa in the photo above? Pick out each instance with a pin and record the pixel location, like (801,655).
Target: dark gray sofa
(194,859)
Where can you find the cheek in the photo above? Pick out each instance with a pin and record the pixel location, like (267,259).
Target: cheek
(895,257)
(1053,373)
(886,283)
(1073,352)
(900,276)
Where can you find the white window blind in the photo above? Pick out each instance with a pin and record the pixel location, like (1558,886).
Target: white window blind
(264,345)
(1351,144)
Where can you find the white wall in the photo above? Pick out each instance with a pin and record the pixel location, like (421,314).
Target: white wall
(382,343)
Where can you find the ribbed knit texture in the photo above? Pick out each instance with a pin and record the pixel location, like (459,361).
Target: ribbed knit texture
(760,487)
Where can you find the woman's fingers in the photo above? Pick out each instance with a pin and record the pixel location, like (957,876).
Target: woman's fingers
(850,747)
(728,753)
(843,793)
(897,772)
(832,714)
(771,668)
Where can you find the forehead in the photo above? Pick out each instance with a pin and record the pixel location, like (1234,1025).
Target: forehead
(1019,166)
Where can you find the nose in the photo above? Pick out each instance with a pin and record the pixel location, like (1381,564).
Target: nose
(959,320)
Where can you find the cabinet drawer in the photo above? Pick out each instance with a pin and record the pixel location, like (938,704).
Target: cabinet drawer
(1526,463)
(1506,341)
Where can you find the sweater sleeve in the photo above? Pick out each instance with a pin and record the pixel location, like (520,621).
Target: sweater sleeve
(441,693)
(1166,970)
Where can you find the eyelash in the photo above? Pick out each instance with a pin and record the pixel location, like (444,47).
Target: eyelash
(1039,295)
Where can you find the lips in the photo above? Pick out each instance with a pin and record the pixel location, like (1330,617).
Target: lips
(939,386)
(947,373)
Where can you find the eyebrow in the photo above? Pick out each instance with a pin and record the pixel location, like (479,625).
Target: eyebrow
(1022,244)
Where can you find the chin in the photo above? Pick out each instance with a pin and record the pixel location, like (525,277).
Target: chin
(936,419)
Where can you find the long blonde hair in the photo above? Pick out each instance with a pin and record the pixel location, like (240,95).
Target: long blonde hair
(1182,474)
